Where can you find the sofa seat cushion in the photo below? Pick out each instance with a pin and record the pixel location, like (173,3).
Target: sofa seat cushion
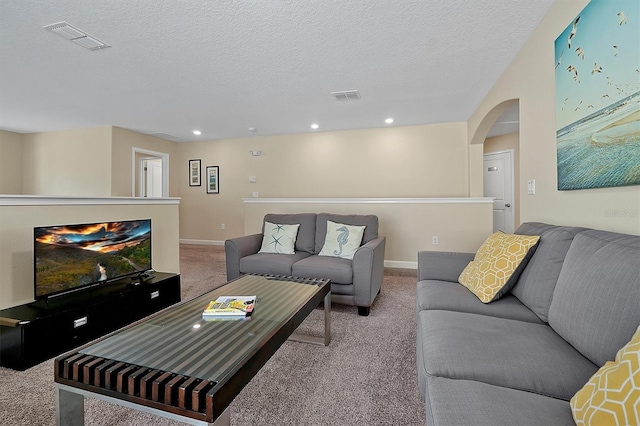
(270,263)
(466,402)
(450,296)
(339,271)
(515,354)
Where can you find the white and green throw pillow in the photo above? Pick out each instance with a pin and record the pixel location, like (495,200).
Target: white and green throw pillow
(342,240)
(279,238)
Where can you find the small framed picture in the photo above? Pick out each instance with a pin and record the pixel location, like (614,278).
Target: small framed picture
(213,180)
(194,173)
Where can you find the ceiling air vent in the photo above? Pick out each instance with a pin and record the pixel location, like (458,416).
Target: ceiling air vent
(76,35)
(166,136)
(347,95)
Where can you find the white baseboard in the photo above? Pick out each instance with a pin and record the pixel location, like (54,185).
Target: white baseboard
(202,242)
(387,263)
(400,264)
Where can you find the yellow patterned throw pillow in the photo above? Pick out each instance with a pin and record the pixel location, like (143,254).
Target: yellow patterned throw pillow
(497,265)
(612,395)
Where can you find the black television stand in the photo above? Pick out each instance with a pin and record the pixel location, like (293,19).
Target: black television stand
(36,331)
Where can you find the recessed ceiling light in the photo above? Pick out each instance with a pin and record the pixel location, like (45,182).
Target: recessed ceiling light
(253,129)
(197,132)
(314,126)
(388,120)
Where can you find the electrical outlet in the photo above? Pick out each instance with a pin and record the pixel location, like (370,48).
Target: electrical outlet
(222,226)
(252,179)
(255,194)
(434,240)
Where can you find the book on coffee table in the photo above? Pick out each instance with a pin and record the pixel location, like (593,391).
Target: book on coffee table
(230,307)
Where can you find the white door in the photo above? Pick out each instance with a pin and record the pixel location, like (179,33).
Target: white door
(153,178)
(499,183)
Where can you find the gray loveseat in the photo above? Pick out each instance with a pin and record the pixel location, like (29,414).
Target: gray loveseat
(520,359)
(353,282)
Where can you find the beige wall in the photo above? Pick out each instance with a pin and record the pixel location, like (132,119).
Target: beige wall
(19,217)
(69,162)
(531,79)
(506,143)
(123,142)
(412,161)
(10,162)
(461,224)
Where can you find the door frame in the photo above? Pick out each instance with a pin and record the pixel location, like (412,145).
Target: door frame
(165,169)
(511,155)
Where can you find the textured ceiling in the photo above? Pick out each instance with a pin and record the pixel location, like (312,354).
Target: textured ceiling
(225,66)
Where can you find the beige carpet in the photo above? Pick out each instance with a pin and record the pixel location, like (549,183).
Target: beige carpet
(366,376)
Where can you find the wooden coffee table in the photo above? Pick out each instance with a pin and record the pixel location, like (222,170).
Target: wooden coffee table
(175,364)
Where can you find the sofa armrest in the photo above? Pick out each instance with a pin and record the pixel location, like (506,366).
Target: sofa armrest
(368,269)
(237,248)
(442,265)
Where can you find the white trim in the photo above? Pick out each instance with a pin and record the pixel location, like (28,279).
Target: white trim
(44,200)
(461,200)
(401,264)
(202,242)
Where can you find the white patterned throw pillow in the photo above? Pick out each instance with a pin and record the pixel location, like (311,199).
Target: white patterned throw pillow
(279,238)
(342,240)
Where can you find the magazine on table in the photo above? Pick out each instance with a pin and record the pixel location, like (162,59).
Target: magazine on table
(230,307)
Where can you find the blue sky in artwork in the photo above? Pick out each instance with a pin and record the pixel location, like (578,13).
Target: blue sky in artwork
(600,73)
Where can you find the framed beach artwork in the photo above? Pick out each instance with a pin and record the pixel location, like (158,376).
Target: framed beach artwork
(194,173)
(213,177)
(597,60)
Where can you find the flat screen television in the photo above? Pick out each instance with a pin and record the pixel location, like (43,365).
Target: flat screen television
(72,257)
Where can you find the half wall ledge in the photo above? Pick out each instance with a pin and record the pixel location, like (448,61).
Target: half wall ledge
(48,200)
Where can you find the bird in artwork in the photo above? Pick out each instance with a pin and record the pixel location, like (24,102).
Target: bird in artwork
(573,69)
(616,50)
(564,103)
(609,81)
(580,52)
(590,106)
(596,68)
(605,96)
(623,18)
(578,107)
(573,32)
(560,59)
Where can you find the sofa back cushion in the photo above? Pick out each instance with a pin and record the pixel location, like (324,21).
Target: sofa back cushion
(369,220)
(596,303)
(538,280)
(305,240)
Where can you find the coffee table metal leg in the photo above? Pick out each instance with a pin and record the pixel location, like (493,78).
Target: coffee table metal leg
(327,319)
(224,419)
(69,408)
(326,339)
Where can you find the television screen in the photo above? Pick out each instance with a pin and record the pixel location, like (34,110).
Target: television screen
(69,257)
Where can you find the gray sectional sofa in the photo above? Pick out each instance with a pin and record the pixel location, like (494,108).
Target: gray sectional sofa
(520,359)
(353,282)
